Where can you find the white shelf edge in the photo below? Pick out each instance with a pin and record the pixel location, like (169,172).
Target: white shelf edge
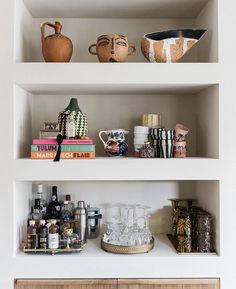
(152,264)
(162,249)
(117,169)
(115,73)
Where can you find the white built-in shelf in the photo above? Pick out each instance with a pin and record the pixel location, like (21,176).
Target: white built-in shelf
(117,169)
(115,77)
(115,9)
(110,265)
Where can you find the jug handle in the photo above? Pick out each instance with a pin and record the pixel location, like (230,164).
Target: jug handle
(57,26)
(90,49)
(132,49)
(100,136)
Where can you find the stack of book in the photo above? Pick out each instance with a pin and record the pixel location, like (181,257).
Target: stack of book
(70,149)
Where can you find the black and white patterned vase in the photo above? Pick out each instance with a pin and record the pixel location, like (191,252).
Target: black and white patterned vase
(73,113)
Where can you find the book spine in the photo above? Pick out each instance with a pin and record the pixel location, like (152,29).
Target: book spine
(65,141)
(64,148)
(64,155)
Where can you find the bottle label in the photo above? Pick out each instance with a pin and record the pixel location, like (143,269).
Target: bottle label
(42,241)
(53,241)
(31,241)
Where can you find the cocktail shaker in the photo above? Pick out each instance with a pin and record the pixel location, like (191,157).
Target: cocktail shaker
(81,221)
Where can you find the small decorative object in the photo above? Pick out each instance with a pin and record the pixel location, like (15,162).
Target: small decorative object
(140,137)
(151,120)
(180,150)
(56,47)
(112,47)
(70,117)
(192,228)
(156,134)
(70,238)
(147,151)
(58,154)
(94,218)
(48,133)
(116,144)
(51,126)
(71,126)
(181,132)
(169,46)
(167,141)
(175,214)
(127,230)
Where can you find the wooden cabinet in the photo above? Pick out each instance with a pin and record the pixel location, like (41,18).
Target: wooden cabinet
(168,283)
(117,284)
(66,284)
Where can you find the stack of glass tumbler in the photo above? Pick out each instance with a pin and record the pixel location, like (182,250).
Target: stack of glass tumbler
(192,227)
(127,225)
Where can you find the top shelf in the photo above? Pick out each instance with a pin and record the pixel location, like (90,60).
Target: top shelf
(115,9)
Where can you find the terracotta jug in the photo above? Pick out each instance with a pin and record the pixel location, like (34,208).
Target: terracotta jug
(56,47)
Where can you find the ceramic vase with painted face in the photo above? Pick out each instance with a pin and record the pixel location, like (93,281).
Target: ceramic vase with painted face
(169,46)
(112,48)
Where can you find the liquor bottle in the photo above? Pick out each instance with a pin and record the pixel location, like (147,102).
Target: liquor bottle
(71,205)
(54,207)
(37,211)
(42,235)
(67,210)
(53,235)
(31,235)
(39,195)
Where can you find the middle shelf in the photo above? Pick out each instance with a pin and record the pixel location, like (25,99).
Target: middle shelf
(121,168)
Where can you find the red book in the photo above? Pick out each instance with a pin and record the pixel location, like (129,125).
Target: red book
(65,141)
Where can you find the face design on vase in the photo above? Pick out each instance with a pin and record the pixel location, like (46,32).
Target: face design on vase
(112,48)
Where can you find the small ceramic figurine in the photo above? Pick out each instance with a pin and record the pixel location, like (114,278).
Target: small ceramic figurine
(56,47)
(147,151)
(112,47)
(181,132)
(116,144)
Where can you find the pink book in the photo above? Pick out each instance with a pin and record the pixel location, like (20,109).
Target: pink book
(65,141)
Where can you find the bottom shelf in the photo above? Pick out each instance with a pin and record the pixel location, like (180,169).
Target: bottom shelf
(162,248)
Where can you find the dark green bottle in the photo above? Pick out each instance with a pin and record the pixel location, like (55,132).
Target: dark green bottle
(54,207)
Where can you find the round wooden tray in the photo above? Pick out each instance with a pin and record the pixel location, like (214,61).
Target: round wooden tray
(127,249)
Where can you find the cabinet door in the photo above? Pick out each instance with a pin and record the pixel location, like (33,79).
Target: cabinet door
(66,284)
(201,284)
(168,284)
(148,284)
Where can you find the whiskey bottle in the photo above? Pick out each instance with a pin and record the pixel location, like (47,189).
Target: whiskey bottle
(42,235)
(43,203)
(31,235)
(53,235)
(37,211)
(54,207)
